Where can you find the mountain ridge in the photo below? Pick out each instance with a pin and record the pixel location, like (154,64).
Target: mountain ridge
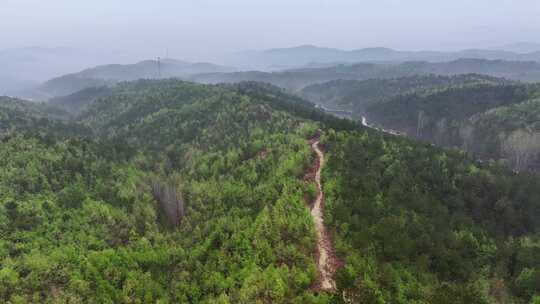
(297,56)
(296,79)
(109,74)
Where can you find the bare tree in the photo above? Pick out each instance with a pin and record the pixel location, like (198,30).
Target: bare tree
(170,200)
(420,123)
(466,133)
(521,147)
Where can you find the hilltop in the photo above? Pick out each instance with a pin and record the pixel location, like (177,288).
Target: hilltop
(185,192)
(108,75)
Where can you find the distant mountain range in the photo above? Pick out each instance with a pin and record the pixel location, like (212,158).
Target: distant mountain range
(297,79)
(34,73)
(520,47)
(105,75)
(303,55)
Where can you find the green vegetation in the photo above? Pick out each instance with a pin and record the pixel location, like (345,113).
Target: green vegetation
(512,132)
(418,225)
(172,192)
(469,118)
(77,102)
(454,103)
(297,79)
(111,74)
(22,116)
(81,223)
(358,95)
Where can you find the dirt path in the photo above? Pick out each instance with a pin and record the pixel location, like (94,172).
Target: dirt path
(327,262)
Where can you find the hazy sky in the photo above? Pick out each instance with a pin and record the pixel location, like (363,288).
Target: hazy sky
(197,28)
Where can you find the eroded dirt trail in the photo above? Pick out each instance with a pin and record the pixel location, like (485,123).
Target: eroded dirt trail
(327,262)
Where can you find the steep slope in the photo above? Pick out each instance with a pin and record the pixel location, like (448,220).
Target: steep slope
(450,117)
(418,224)
(511,132)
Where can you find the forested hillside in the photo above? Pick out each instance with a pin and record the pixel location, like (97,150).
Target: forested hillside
(22,116)
(243,233)
(457,117)
(419,225)
(108,75)
(76,102)
(297,79)
(188,193)
(511,131)
(357,95)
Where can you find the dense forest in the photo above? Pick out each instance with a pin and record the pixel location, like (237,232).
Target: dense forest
(356,95)
(488,117)
(88,221)
(166,191)
(18,115)
(469,118)
(419,225)
(509,131)
(77,102)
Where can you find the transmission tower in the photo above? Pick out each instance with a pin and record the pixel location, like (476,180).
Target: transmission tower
(159,66)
